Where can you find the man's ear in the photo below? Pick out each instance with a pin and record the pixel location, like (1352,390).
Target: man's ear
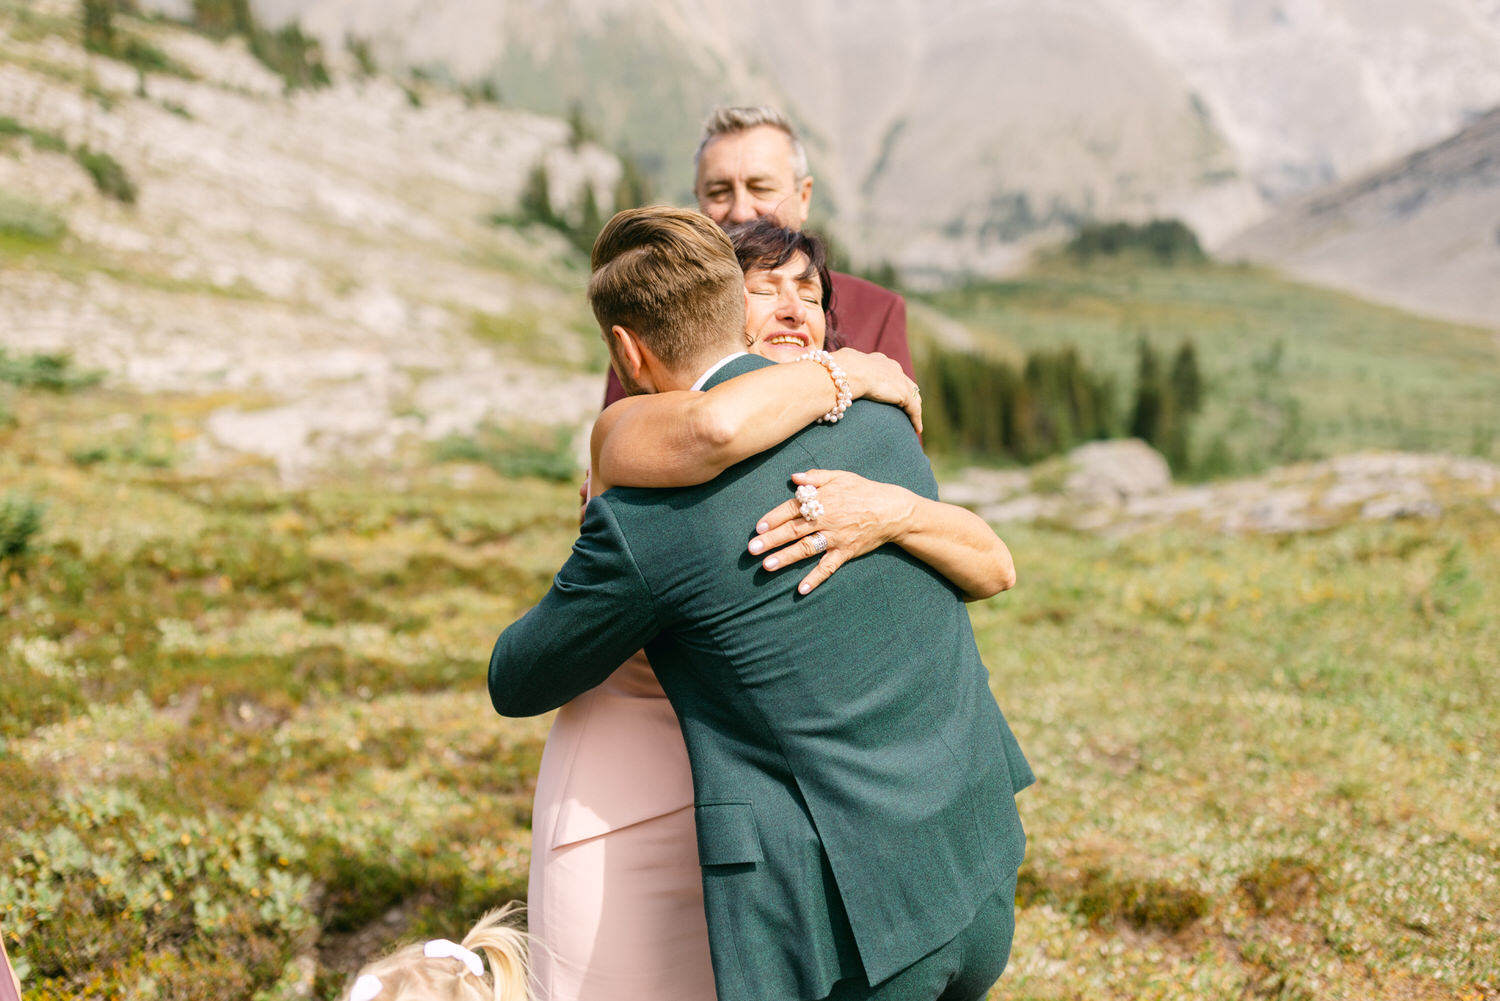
(804,198)
(630,355)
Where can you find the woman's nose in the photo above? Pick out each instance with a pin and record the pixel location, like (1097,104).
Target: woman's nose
(791,308)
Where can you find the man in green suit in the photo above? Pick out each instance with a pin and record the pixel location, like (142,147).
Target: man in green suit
(853,778)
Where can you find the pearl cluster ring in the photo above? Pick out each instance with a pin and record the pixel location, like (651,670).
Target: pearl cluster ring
(840,385)
(808,503)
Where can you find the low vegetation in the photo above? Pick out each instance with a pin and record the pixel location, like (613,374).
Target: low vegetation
(45,370)
(28,222)
(19,218)
(245,741)
(546,453)
(286,51)
(102,36)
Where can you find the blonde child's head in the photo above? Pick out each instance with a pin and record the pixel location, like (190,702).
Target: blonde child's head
(441,970)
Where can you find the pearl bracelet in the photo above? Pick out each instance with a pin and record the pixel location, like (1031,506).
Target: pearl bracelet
(840,385)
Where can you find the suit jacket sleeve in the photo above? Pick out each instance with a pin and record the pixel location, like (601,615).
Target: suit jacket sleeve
(871,318)
(598,612)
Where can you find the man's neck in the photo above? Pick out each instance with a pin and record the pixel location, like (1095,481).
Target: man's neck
(709,370)
(691,374)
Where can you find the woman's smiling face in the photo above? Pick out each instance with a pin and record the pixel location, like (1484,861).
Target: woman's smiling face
(784,310)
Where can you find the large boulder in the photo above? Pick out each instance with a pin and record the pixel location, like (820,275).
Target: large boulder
(1110,473)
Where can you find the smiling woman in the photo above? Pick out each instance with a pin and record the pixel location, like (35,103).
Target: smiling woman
(788,291)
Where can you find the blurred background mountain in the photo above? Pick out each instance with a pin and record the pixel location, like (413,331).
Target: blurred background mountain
(948,137)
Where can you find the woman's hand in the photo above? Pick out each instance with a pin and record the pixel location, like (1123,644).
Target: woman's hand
(875,377)
(858,515)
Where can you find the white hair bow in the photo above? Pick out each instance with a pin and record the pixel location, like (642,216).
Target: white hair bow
(365,988)
(441,947)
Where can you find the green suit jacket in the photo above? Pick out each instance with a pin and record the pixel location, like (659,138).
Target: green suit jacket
(853,777)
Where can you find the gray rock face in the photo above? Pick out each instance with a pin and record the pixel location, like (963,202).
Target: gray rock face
(1121,487)
(318,262)
(1423,233)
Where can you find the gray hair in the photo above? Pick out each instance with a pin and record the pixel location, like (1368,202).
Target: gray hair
(727,121)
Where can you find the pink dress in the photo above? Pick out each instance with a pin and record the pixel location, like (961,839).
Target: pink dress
(616,899)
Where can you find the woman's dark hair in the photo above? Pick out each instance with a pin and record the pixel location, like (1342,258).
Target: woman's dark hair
(763,245)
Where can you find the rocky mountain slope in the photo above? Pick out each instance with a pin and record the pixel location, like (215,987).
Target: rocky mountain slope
(318,265)
(947,134)
(1423,232)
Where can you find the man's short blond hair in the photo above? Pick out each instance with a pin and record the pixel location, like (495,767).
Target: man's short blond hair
(670,276)
(729,120)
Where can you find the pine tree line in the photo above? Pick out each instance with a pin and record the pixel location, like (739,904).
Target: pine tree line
(984,406)
(1053,402)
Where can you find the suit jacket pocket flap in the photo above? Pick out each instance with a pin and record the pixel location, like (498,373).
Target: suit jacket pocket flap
(727,834)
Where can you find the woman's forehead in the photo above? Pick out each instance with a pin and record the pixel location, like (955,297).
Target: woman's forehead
(798,266)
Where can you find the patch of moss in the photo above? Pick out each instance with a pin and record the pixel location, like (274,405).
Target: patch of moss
(1280,886)
(1104,897)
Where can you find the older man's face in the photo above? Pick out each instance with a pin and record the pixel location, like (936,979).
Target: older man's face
(746,175)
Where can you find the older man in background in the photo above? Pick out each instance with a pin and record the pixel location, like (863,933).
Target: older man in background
(751,164)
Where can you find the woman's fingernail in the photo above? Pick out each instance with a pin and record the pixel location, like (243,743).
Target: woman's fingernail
(762,528)
(756,546)
(772,563)
(804,587)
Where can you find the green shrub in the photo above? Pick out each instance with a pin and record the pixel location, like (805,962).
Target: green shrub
(201,902)
(287,52)
(297,59)
(223,17)
(545,453)
(149,443)
(20,520)
(28,221)
(40,138)
(359,48)
(98,25)
(52,371)
(109,177)
(148,58)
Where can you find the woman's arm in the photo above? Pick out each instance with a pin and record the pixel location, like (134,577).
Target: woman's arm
(860,515)
(681,438)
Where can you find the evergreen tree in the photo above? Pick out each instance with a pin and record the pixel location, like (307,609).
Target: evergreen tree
(589,221)
(536,197)
(633,189)
(1187,383)
(99,25)
(1150,405)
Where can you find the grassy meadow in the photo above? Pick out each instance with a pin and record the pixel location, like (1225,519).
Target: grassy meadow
(1291,372)
(245,742)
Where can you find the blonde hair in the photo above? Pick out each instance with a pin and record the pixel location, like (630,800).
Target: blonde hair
(409,974)
(727,121)
(670,276)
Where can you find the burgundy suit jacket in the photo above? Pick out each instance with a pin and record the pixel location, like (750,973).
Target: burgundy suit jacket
(867,317)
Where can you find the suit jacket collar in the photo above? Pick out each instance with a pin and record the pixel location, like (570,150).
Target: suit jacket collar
(738,366)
